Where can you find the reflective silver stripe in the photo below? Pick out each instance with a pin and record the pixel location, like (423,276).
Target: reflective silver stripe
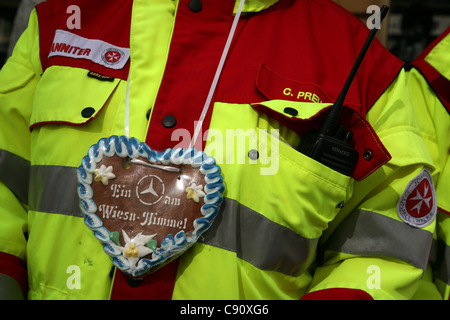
(253,237)
(53,189)
(259,241)
(15,173)
(368,233)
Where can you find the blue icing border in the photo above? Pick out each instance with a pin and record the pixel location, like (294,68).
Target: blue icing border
(130,147)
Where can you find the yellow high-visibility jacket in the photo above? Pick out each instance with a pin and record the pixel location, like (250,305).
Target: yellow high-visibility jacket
(289,227)
(429,84)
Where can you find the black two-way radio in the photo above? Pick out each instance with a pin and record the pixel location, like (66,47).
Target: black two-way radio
(332,144)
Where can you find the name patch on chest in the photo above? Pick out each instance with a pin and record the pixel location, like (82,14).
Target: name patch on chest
(70,45)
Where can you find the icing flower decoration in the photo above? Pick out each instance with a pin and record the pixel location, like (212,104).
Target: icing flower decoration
(136,248)
(103,174)
(194,192)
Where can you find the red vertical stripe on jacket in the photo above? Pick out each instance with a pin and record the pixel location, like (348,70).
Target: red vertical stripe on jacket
(195,51)
(197,45)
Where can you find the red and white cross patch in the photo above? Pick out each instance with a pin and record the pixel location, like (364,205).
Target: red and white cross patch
(417,205)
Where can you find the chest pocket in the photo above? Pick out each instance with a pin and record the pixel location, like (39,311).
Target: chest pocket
(302,106)
(70,96)
(303,117)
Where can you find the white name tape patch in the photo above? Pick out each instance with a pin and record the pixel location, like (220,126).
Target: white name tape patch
(67,44)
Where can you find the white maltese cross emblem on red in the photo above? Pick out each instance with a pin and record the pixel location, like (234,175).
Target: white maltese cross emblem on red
(417,206)
(112,56)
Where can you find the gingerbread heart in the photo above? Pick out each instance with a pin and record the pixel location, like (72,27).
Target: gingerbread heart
(147,207)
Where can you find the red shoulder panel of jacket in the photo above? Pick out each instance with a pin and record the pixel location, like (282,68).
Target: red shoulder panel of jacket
(314,43)
(90,21)
(437,81)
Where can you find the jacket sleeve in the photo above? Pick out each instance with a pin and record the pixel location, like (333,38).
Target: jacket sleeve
(429,84)
(18,79)
(369,250)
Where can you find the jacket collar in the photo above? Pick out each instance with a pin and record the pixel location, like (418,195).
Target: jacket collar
(254,5)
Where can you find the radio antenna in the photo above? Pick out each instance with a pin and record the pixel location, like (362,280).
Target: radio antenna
(330,123)
(332,145)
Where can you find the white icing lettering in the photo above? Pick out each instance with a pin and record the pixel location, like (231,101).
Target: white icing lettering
(152,218)
(119,191)
(112,212)
(172,201)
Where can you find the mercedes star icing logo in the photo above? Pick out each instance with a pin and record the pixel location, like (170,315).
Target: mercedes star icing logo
(150,189)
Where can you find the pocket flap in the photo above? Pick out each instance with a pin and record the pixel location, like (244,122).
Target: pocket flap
(302,117)
(14,76)
(70,95)
(275,86)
